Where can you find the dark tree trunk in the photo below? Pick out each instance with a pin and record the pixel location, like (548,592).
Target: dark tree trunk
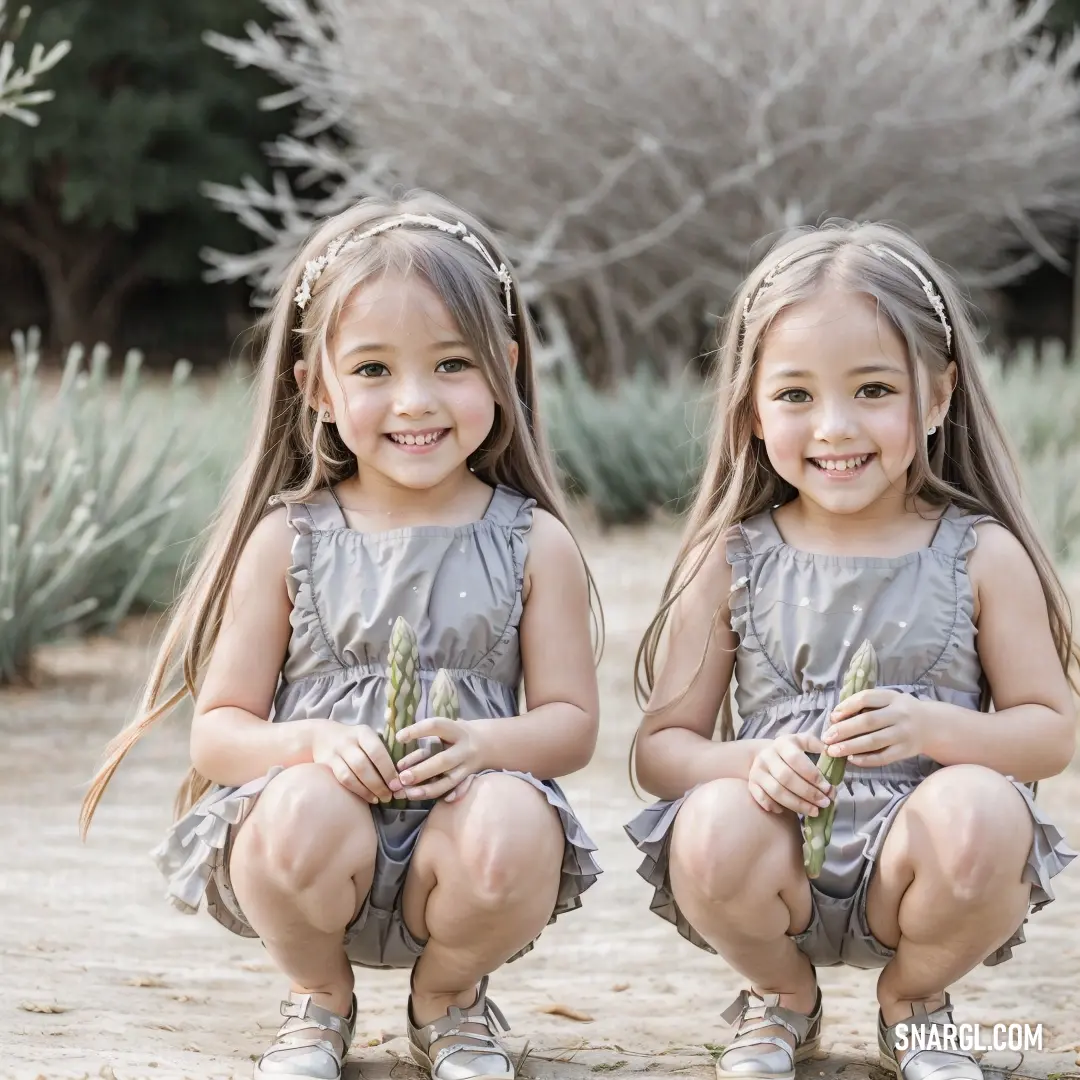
(87,274)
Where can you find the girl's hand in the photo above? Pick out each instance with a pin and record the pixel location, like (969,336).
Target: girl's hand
(783,778)
(358,758)
(877,727)
(451,769)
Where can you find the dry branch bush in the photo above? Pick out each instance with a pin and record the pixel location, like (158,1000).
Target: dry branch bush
(633,152)
(17,93)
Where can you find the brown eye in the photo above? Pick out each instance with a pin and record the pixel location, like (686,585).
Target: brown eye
(371,369)
(793,397)
(875,391)
(457,364)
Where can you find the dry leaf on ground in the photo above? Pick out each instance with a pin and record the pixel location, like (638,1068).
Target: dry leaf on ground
(559,1009)
(38,1007)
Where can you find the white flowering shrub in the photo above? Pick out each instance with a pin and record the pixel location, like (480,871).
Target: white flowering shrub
(633,154)
(88,496)
(18,85)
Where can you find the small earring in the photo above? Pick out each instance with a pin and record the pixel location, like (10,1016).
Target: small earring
(932,430)
(326,416)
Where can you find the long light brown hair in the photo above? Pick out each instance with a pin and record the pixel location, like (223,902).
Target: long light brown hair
(968,461)
(291,452)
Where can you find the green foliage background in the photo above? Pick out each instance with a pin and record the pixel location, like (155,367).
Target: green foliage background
(104,198)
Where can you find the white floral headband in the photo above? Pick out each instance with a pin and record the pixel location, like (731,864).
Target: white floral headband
(313,270)
(932,295)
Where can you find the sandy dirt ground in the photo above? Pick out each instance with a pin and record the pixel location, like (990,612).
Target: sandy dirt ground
(100,978)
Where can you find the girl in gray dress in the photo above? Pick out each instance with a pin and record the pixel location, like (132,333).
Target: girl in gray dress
(858,488)
(396,470)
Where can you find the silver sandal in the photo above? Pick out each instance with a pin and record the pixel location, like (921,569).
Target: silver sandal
(769,1040)
(310,1045)
(917,1063)
(471,1054)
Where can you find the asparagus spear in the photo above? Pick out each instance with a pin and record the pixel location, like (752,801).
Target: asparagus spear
(443,699)
(402,692)
(862,673)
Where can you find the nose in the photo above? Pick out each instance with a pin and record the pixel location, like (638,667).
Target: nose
(413,395)
(834,422)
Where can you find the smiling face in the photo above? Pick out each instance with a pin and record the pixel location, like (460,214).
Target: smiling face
(409,396)
(834,401)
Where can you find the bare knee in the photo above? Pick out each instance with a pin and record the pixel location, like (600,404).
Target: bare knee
(726,844)
(976,832)
(305,822)
(507,841)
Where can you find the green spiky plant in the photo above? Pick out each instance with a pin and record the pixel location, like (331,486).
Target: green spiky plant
(88,498)
(403,694)
(862,674)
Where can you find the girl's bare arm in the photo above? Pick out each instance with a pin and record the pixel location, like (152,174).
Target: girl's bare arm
(675,747)
(556,734)
(231,741)
(1032,732)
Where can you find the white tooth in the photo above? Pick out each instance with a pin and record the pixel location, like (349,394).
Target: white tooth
(410,440)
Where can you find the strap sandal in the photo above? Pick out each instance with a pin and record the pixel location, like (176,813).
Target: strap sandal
(769,1040)
(471,1053)
(933,1054)
(310,1045)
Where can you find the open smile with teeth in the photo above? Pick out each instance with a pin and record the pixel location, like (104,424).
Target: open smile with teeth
(850,464)
(428,438)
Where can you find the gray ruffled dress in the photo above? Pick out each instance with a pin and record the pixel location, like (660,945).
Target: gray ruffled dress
(460,589)
(799,618)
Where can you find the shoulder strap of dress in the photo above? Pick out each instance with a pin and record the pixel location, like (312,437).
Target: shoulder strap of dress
(320,512)
(509,507)
(955,534)
(759,533)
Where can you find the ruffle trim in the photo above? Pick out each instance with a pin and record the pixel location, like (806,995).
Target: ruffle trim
(195,845)
(512,512)
(650,832)
(1049,855)
(304,617)
(957,544)
(740,558)
(579,866)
